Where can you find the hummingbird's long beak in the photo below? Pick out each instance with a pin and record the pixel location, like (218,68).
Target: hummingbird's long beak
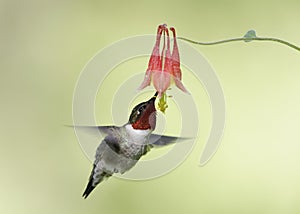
(153,98)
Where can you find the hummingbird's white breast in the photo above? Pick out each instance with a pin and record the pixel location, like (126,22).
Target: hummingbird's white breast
(137,135)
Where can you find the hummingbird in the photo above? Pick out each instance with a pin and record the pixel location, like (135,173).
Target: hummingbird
(123,146)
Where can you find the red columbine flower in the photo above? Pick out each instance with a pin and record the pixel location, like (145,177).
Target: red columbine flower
(164,67)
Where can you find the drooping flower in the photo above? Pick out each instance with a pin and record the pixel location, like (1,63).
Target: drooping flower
(164,66)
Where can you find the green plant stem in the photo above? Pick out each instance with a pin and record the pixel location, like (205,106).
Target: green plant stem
(242,39)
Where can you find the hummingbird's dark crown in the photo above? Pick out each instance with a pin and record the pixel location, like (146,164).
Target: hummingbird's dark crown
(143,116)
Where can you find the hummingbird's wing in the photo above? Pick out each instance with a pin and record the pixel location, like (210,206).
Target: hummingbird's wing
(160,140)
(155,140)
(95,130)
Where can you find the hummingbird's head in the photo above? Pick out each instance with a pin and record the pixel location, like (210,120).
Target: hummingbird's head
(143,116)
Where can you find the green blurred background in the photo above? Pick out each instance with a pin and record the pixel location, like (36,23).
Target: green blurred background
(45,44)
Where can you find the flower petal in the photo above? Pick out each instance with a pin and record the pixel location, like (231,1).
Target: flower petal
(179,85)
(176,71)
(167,58)
(146,81)
(155,62)
(175,57)
(161,81)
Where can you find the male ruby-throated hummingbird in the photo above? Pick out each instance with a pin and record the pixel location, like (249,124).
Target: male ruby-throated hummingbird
(123,146)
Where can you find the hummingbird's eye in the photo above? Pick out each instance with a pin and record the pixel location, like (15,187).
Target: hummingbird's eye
(141,109)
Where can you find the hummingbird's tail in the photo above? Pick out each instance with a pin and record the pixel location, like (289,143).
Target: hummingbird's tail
(94,180)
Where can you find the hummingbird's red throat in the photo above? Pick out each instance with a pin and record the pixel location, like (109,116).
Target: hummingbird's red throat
(147,120)
(142,125)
